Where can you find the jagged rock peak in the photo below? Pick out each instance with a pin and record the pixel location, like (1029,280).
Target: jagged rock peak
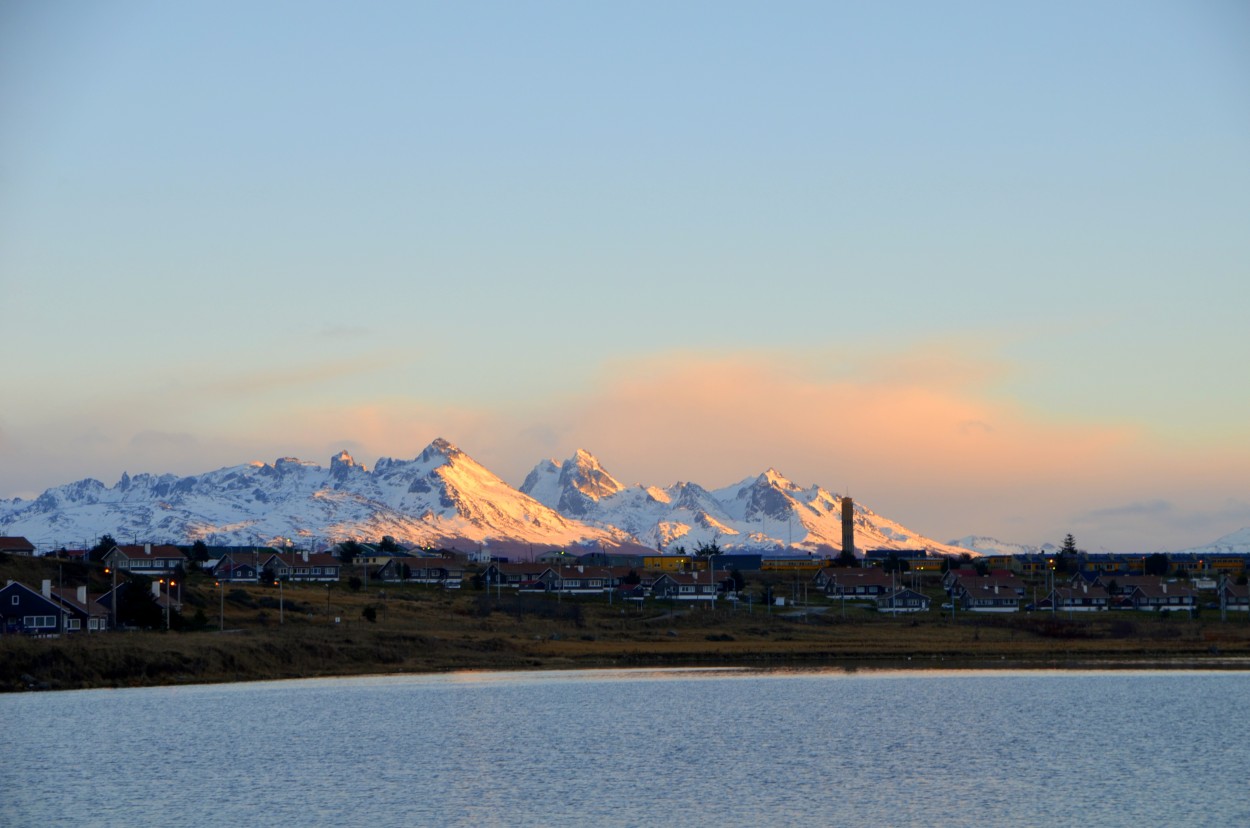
(342,463)
(586,474)
(440,448)
(776,479)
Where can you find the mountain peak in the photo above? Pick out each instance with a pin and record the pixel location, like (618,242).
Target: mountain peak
(342,464)
(439,448)
(584,474)
(776,480)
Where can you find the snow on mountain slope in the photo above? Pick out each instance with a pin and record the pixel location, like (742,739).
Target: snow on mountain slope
(766,513)
(982,545)
(441,494)
(1237,542)
(444,494)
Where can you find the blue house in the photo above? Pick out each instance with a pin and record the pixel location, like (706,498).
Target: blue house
(24,610)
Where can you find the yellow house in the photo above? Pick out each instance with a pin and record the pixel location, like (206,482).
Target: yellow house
(668,563)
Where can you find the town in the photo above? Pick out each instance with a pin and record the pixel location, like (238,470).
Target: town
(142,586)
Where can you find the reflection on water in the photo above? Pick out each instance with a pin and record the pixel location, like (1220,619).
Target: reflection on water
(638,747)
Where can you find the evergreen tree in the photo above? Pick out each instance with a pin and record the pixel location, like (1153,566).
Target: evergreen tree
(137,606)
(348,550)
(102,548)
(706,550)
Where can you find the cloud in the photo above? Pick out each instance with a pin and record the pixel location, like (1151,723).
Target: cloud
(974,427)
(922,436)
(1137,509)
(284,379)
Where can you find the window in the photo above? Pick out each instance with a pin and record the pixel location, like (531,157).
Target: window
(74,624)
(16,601)
(39,622)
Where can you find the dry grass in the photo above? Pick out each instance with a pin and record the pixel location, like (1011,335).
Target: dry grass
(422,629)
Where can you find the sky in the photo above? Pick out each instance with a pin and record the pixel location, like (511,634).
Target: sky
(984,266)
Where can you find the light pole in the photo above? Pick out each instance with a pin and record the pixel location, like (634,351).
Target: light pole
(113,594)
(280,603)
(221,611)
(168,599)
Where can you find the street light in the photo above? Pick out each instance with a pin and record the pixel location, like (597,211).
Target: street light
(113,594)
(168,599)
(279,583)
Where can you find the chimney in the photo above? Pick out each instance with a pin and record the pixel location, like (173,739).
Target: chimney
(848,525)
(147,549)
(82,595)
(47,588)
(305,556)
(156,589)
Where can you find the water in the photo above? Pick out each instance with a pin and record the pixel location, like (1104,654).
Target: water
(646,747)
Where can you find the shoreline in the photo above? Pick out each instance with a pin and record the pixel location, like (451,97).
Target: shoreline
(141,661)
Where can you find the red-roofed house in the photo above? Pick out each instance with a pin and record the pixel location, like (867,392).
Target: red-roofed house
(17,545)
(146,559)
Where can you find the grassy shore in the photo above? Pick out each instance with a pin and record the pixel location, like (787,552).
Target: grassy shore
(314,631)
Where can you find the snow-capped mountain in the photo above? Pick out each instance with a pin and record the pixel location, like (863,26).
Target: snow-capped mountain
(1236,542)
(766,513)
(442,496)
(982,545)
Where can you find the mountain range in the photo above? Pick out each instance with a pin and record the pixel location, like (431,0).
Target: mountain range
(443,497)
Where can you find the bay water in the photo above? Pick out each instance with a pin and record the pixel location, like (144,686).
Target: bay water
(638,747)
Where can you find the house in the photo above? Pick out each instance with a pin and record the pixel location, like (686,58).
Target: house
(1080,597)
(234,567)
(444,572)
(146,559)
(953,575)
(511,575)
(681,586)
(24,610)
(999,579)
(1234,596)
(985,595)
(903,600)
(17,545)
(860,584)
(1163,595)
(577,580)
(1120,588)
(81,612)
(302,566)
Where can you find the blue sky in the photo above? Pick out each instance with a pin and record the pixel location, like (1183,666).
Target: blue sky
(983,264)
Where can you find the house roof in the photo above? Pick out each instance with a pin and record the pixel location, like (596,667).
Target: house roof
(69,597)
(16,543)
(864,577)
(150,551)
(295,559)
(684,578)
(13,586)
(1164,590)
(903,593)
